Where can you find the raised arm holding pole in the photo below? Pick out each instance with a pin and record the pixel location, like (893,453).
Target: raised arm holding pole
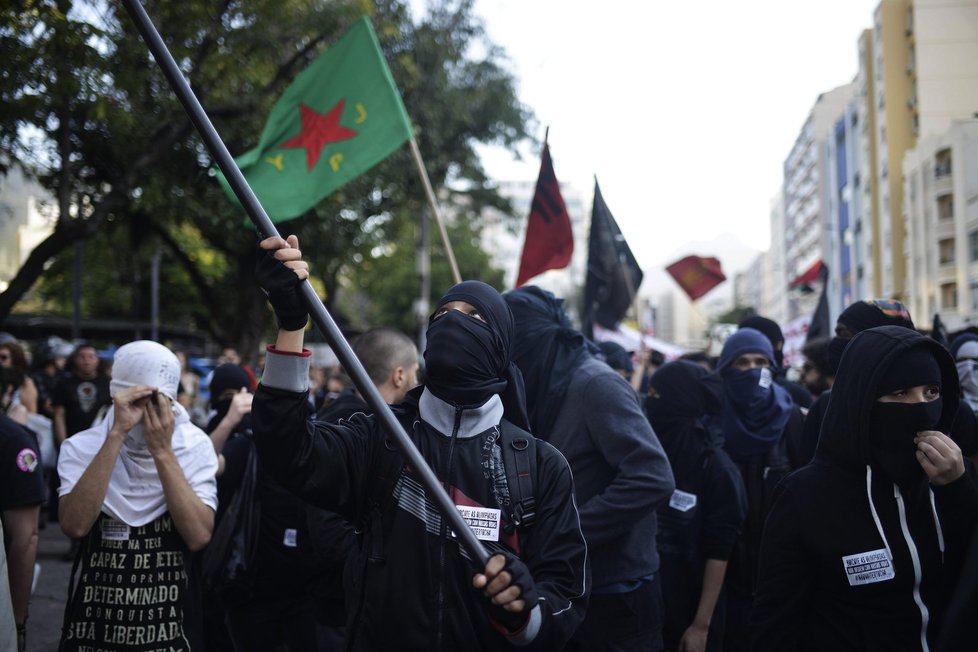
(317,310)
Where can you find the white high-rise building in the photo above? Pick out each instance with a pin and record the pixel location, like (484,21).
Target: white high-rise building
(941,221)
(918,73)
(806,179)
(23,223)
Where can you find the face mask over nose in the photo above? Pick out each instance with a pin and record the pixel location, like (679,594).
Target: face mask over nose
(462,365)
(750,388)
(893,427)
(968,375)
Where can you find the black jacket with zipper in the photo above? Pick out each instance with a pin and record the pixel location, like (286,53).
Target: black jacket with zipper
(415,592)
(849,560)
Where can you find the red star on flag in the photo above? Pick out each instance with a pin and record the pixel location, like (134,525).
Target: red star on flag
(319,130)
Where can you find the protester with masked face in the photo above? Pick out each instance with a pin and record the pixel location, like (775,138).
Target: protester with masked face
(277,607)
(621,474)
(699,526)
(761,428)
(863,546)
(871,313)
(138,489)
(414,588)
(773,333)
(964,348)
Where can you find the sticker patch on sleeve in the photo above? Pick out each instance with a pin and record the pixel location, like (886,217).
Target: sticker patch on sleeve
(484,521)
(27,460)
(113,530)
(868,567)
(289,540)
(682,501)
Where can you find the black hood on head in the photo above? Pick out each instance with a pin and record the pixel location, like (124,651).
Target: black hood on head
(844,437)
(547,349)
(499,347)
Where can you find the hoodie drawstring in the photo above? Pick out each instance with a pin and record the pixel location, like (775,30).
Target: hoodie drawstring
(937,523)
(876,518)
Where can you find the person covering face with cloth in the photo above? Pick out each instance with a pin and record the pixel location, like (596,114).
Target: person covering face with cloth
(411,585)
(761,429)
(863,546)
(139,489)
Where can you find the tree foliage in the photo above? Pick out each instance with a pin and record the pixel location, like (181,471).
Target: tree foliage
(85,111)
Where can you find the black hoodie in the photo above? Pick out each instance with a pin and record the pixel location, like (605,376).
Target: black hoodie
(849,561)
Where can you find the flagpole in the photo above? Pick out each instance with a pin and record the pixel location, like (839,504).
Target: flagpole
(430,194)
(320,316)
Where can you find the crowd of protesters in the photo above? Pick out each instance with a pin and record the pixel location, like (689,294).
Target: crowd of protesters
(624,502)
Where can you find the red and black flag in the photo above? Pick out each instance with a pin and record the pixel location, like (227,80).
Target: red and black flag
(613,274)
(821,324)
(549,242)
(697,275)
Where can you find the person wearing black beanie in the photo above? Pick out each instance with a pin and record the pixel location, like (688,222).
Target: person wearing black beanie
(801,397)
(415,587)
(856,318)
(863,547)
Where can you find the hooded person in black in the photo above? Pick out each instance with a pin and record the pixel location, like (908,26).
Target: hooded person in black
(621,474)
(761,428)
(862,547)
(279,605)
(699,526)
(856,318)
(410,585)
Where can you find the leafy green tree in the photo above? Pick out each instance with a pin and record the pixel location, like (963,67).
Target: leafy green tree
(85,111)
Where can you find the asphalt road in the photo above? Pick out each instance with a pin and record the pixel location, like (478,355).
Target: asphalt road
(50,592)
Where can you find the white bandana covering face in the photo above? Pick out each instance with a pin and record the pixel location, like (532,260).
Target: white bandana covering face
(135,493)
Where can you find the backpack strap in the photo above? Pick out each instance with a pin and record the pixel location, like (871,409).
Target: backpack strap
(519,450)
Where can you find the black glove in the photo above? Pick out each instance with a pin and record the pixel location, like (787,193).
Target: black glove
(282,286)
(521,577)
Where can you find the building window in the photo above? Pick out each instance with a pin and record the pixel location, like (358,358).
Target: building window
(973,246)
(945,207)
(946,251)
(942,163)
(949,295)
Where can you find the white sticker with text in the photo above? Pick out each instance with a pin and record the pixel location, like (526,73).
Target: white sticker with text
(766,378)
(868,567)
(289,540)
(113,530)
(484,521)
(682,501)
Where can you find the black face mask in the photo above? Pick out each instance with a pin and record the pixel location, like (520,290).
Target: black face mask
(462,365)
(893,427)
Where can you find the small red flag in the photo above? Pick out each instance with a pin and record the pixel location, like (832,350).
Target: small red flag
(549,241)
(810,275)
(697,275)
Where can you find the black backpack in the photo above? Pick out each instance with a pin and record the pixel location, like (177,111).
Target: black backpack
(229,559)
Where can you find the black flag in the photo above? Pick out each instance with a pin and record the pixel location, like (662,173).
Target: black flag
(821,325)
(613,274)
(938,331)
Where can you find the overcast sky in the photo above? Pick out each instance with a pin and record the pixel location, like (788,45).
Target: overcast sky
(684,110)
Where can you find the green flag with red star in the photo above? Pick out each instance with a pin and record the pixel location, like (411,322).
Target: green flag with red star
(341,116)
